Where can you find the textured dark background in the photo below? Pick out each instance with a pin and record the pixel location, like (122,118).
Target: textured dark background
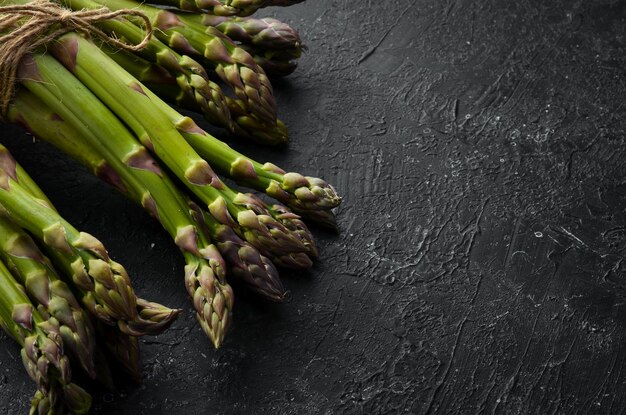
(480,267)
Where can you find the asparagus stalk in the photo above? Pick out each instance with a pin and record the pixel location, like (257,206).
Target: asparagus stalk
(42,351)
(274,45)
(232,64)
(104,284)
(53,297)
(127,165)
(226,7)
(265,34)
(293,189)
(244,262)
(129,100)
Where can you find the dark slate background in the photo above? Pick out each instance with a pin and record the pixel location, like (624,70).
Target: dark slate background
(480,266)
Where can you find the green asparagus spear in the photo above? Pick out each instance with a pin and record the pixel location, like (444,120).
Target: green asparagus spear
(295,190)
(266,34)
(274,45)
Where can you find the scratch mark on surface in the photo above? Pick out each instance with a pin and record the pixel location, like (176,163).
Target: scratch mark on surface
(457,340)
(373,49)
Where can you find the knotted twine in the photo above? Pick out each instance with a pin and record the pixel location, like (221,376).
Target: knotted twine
(36,23)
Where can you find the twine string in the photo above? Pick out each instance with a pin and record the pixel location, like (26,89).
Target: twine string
(28,26)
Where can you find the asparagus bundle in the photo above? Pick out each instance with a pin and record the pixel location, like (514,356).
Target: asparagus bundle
(97,112)
(275,231)
(78,98)
(165,201)
(103,283)
(53,296)
(310,197)
(297,191)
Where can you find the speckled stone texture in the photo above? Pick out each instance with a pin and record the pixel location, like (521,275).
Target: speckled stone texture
(480,267)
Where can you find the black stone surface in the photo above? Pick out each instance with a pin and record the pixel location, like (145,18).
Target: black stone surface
(480,267)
